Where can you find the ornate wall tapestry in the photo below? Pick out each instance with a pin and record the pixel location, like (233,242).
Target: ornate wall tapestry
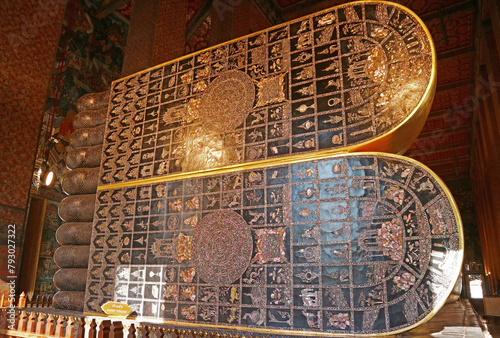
(224,201)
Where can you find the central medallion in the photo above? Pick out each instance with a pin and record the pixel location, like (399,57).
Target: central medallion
(222,247)
(227,101)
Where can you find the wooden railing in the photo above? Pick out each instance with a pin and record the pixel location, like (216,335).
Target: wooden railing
(24,301)
(31,324)
(35,317)
(36,324)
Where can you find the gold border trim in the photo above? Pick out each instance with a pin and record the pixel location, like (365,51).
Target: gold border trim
(225,169)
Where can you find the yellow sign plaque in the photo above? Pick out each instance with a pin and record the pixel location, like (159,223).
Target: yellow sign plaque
(116,309)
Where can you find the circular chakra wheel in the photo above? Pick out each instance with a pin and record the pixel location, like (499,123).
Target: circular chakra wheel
(222,247)
(227,101)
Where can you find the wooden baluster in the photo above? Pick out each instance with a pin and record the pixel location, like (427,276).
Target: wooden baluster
(22,322)
(160,333)
(125,329)
(3,320)
(145,331)
(49,301)
(116,330)
(139,330)
(98,322)
(59,326)
(129,331)
(104,329)
(22,300)
(173,333)
(80,333)
(92,329)
(31,326)
(49,325)
(18,323)
(70,327)
(38,301)
(40,323)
